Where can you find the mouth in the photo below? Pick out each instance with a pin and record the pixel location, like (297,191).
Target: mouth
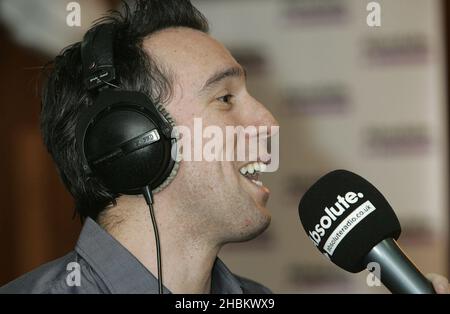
(252,171)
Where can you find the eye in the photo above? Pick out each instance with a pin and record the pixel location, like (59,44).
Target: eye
(225,99)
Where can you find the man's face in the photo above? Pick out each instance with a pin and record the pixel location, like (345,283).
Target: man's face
(211,197)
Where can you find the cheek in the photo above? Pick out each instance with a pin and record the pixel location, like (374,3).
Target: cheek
(218,178)
(204,176)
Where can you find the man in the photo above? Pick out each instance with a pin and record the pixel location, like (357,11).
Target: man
(162,48)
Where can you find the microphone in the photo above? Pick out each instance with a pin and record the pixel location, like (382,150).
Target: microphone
(351,223)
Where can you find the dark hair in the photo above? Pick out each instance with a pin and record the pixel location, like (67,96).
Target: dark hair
(64,95)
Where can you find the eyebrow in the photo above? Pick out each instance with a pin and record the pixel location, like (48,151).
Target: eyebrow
(219,76)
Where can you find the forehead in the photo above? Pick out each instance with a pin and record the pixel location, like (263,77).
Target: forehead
(190,54)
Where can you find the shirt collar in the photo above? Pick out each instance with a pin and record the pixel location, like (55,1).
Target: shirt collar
(223,281)
(122,272)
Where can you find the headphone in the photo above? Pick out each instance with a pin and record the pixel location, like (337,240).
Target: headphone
(123,139)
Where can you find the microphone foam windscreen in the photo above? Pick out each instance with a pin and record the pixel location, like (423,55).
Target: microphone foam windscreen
(345,216)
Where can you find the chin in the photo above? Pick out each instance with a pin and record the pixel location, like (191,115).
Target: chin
(252,227)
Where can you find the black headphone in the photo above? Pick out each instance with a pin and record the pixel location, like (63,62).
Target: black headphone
(122,139)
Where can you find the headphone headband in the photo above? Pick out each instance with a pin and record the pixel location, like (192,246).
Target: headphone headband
(97,53)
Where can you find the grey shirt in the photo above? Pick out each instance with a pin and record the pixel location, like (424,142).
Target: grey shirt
(100,264)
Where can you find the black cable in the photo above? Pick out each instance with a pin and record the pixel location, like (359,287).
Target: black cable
(149,199)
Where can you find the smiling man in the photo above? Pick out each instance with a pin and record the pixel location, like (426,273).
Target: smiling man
(162,49)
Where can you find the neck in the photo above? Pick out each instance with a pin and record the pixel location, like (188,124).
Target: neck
(187,257)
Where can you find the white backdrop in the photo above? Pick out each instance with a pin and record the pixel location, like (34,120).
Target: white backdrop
(370,100)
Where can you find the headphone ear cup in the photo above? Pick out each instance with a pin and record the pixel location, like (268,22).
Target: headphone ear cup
(128,172)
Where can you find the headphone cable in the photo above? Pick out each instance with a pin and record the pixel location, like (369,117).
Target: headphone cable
(149,199)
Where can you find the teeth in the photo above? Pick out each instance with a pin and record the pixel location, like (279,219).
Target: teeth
(262,166)
(252,168)
(258,183)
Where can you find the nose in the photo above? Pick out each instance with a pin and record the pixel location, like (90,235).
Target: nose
(263,127)
(260,117)
(268,135)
